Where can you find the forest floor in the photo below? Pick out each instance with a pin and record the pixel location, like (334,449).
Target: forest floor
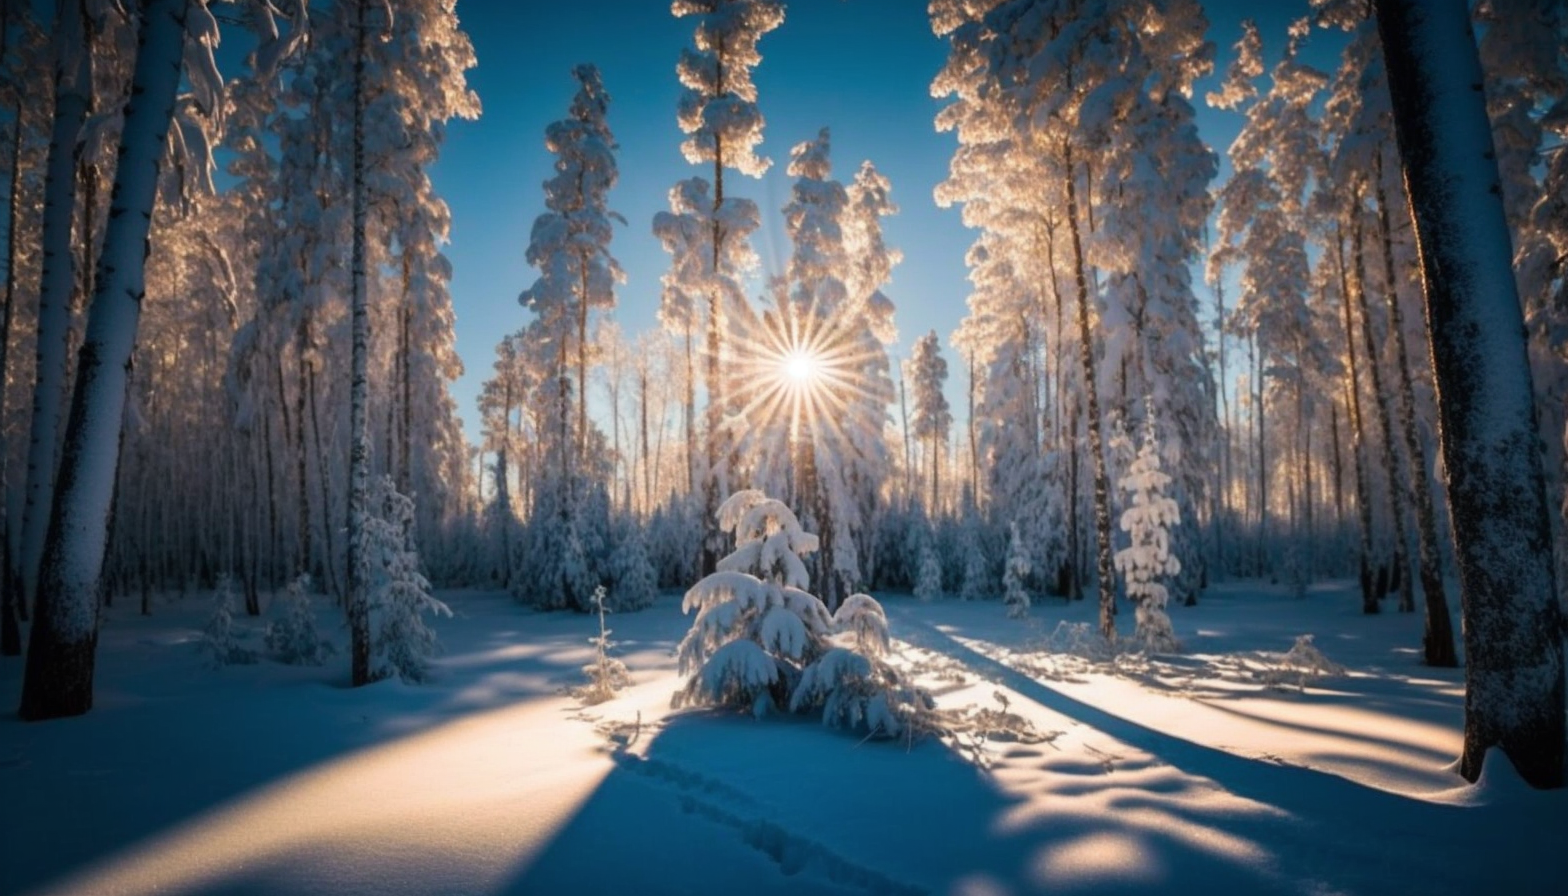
(1219,770)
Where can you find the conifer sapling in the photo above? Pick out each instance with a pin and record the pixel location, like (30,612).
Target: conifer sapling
(1147,521)
(606,674)
(219,641)
(291,636)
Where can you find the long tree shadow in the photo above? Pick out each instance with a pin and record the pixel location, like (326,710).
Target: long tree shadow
(178,747)
(1322,823)
(723,804)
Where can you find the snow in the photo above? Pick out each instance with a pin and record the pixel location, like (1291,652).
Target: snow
(1171,774)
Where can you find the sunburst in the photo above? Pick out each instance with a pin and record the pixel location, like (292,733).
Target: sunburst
(801,368)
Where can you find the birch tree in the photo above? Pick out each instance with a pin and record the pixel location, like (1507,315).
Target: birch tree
(61,648)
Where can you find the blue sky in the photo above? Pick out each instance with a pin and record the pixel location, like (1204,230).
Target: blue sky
(860,67)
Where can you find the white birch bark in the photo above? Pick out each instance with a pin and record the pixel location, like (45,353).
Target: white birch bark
(59,674)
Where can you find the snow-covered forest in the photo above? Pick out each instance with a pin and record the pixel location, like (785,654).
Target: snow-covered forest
(1206,398)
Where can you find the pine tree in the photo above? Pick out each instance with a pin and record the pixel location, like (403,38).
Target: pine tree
(219,642)
(291,637)
(399,594)
(1148,521)
(927,372)
(634,582)
(706,231)
(570,242)
(928,580)
(606,674)
(756,626)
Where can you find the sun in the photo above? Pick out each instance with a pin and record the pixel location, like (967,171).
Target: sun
(802,368)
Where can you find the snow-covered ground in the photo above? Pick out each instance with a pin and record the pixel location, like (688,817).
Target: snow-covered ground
(1186,774)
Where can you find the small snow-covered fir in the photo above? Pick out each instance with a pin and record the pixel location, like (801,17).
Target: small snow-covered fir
(761,642)
(1147,521)
(606,674)
(220,643)
(928,581)
(291,635)
(402,643)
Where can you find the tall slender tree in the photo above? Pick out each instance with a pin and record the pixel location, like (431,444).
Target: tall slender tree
(718,113)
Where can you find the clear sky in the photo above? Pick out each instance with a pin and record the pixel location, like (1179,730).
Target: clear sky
(860,67)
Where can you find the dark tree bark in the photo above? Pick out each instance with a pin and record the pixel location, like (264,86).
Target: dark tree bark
(10,581)
(1390,458)
(359,390)
(1438,640)
(1514,684)
(1102,491)
(1369,594)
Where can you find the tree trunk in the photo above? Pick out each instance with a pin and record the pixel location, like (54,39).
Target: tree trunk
(10,582)
(359,391)
(305,526)
(1438,641)
(59,675)
(1338,468)
(1514,685)
(1263,468)
(405,442)
(1390,458)
(691,416)
(52,337)
(642,421)
(1369,596)
(974,436)
(328,576)
(903,416)
(1102,495)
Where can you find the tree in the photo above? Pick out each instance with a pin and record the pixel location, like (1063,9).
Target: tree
(570,242)
(72,97)
(291,637)
(756,626)
(706,232)
(399,598)
(1514,685)
(761,642)
(360,508)
(1148,520)
(832,324)
(927,372)
(24,89)
(62,644)
(1014,594)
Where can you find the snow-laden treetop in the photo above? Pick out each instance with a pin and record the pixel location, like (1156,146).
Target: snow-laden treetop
(718,108)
